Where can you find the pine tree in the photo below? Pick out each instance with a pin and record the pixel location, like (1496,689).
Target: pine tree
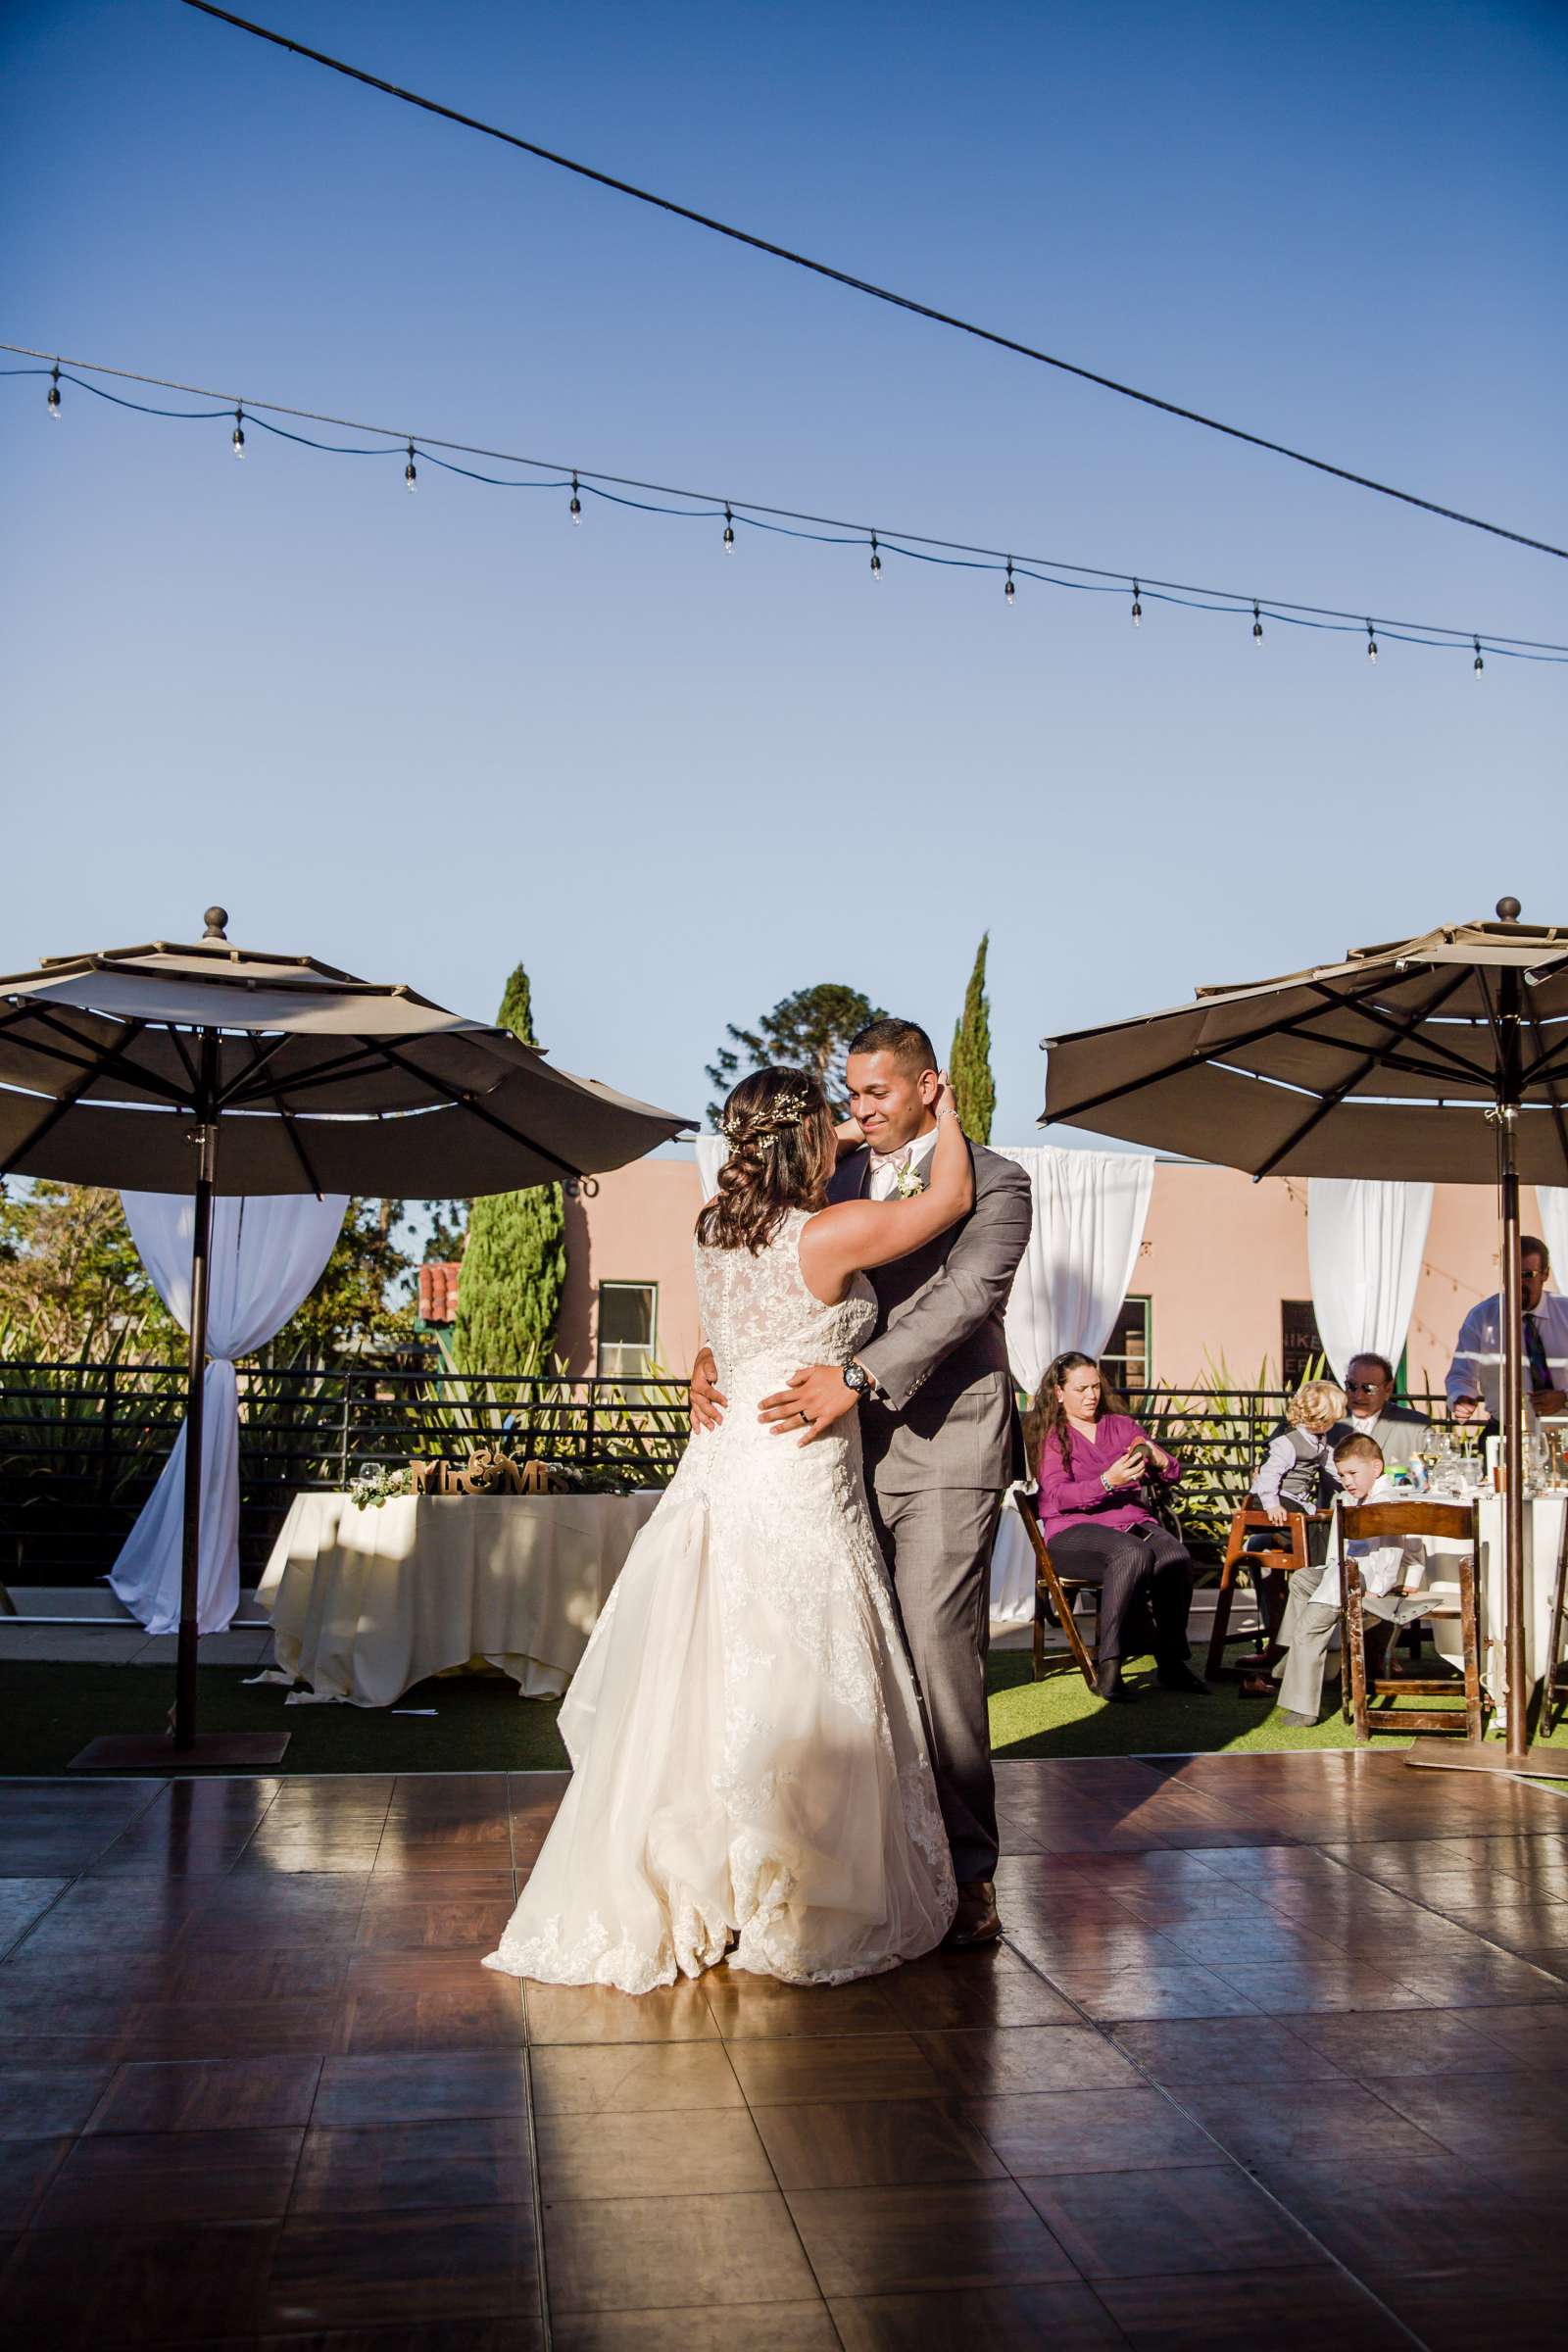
(515,1263)
(809,1031)
(969,1062)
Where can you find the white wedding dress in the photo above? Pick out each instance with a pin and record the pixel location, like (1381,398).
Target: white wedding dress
(749,1762)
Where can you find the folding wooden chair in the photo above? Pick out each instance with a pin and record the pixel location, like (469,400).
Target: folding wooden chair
(1054,1595)
(1359,1689)
(1286,1553)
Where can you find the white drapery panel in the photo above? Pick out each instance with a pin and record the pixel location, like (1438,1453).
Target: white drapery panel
(1364,1246)
(1090,1209)
(712,1153)
(266,1257)
(1553,1203)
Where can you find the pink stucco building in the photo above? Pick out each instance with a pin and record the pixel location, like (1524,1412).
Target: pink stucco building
(1222,1278)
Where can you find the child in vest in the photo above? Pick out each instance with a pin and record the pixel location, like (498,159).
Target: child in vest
(1312,1610)
(1299,1461)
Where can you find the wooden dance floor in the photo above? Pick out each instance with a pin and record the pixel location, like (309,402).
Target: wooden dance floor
(1276,2052)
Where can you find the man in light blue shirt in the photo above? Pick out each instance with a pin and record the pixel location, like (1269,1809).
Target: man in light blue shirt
(1475,1376)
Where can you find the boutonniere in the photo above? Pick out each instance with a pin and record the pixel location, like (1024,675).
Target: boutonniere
(908,1183)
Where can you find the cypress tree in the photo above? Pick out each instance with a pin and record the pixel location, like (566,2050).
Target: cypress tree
(515,1264)
(969,1062)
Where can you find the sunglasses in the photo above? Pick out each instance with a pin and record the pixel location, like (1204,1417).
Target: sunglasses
(1363,1388)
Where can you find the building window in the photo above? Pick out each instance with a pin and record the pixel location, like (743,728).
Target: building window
(1128,1353)
(628,1324)
(1301,1349)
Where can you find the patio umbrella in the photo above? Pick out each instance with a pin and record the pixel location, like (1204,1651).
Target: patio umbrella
(212,1069)
(1443,1057)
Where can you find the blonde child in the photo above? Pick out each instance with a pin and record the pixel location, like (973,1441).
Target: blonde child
(1300,1459)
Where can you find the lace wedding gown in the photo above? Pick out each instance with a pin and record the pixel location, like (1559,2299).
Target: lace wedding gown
(747,1747)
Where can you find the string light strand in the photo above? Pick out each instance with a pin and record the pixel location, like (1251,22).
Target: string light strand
(784,522)
(860,285)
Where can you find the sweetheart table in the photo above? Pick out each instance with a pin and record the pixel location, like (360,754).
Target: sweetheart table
(366,1603)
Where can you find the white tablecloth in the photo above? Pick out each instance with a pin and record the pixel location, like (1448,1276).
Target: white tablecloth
(1012,1570)
(1544,1532)
(366,1603)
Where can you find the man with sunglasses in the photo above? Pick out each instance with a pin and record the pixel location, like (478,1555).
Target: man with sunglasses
(1398,1429)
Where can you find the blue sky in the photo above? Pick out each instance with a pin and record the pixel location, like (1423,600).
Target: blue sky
(422,737)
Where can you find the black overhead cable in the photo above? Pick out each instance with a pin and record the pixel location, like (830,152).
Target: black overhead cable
(864,285)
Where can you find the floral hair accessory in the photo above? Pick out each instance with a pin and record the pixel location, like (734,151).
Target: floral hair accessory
(787,1110)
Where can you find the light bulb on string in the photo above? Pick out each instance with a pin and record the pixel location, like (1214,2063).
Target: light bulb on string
(1138,609)
(1478,665)
(729,530)
(238,435)
(876,559)
(1257,623)
(54,391)
(1371,643)
(575,508)
(411,476)
(1009,590)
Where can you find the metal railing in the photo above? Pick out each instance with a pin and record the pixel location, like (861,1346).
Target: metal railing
(82,1445)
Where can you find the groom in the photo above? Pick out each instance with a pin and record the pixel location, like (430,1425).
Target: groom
(939,1427)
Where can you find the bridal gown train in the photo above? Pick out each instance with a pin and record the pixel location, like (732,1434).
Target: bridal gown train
(749,1764)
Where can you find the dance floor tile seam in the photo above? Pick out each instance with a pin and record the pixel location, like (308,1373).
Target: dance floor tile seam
(1150,2117)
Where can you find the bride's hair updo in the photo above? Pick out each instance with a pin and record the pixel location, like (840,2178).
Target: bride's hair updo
(781,1154)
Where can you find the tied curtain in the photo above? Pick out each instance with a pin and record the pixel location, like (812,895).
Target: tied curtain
(1365,1245)
(1090,1209)
(712,1153)
(268,1254)
(1552,1200)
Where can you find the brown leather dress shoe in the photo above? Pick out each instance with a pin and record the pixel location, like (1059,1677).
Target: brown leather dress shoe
(976,1920)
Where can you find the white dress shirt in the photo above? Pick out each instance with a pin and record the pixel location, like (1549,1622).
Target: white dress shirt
(1385,1567)
(883,1182)
(1477,1367)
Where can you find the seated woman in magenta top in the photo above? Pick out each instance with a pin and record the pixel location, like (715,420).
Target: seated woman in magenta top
(1096,1526)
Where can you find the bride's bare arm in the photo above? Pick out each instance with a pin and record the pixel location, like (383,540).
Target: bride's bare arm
(852,1235)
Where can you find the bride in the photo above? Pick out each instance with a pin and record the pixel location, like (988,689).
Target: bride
(750,1776)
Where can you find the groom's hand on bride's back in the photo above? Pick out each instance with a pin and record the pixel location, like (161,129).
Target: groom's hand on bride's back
(706,1399)
(817,1396)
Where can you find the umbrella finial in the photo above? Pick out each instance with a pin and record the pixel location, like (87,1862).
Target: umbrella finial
(217,918)
(1507,910)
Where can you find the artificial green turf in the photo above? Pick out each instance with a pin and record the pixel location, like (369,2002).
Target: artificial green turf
(49,1712)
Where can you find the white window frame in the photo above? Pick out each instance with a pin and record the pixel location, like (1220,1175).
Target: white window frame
(609,1356)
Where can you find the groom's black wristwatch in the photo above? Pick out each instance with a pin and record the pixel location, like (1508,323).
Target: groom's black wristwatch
(857,1378)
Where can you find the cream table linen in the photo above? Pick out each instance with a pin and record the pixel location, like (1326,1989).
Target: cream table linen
(366,1603)
(1544,1535)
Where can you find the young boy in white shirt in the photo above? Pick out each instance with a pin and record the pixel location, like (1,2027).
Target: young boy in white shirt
(1312,1610)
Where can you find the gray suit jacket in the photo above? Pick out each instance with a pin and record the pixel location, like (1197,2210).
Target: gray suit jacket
(938,1353)
(1401,1431)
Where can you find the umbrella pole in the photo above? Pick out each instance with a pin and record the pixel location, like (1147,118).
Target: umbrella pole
(1460,1755)
(237,1751)
(1512,1449)
(206,1136)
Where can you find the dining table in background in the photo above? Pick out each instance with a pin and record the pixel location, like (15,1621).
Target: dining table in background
(367,1602)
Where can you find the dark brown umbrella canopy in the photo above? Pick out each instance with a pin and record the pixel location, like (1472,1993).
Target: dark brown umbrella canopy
(1385,1064)
(321,1082)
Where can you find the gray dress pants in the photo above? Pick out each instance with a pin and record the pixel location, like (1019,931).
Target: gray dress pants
(1307,1632)
(937,1543)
